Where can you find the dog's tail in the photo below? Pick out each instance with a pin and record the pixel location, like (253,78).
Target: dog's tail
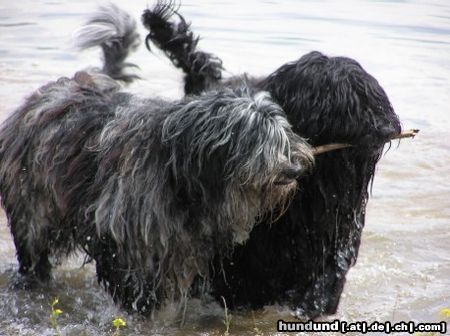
(115,32)
(178,42)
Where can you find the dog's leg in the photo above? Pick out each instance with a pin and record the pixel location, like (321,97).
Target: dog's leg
(35,268)
(32,251)
(29,214)
(129,287)
(176,40)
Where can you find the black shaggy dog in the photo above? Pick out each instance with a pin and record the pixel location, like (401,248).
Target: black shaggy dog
(151,190)
(302,259)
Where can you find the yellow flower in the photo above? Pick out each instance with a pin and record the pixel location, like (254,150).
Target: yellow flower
(57,312)
(445,313)
(119,322)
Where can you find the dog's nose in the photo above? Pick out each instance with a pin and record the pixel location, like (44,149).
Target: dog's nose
(293,172)
(289,175)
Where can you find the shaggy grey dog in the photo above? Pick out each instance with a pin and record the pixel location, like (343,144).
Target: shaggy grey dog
(151,190)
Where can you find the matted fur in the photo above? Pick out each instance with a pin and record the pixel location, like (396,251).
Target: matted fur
(302,259)
(152,190)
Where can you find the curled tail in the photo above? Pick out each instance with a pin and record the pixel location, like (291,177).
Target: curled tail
(178,42)
(115,32)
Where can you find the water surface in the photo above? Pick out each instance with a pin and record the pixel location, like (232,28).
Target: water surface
(403,270)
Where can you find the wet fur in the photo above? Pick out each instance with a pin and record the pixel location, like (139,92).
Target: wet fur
(153,191)
(302,259)
(176,40)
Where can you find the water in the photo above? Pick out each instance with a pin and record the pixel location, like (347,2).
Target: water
(403,271)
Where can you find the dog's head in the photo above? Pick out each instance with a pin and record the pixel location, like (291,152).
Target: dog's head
(234,156)
(333,99)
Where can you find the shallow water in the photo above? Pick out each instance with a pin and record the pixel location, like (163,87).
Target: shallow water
(403,270)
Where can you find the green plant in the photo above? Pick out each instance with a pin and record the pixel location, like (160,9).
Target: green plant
(227,318)
(54,316)
(255,328)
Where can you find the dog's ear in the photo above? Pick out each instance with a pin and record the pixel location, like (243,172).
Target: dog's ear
(196,135)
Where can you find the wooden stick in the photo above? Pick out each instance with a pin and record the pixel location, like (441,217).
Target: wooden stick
(333,146)
(406,134)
